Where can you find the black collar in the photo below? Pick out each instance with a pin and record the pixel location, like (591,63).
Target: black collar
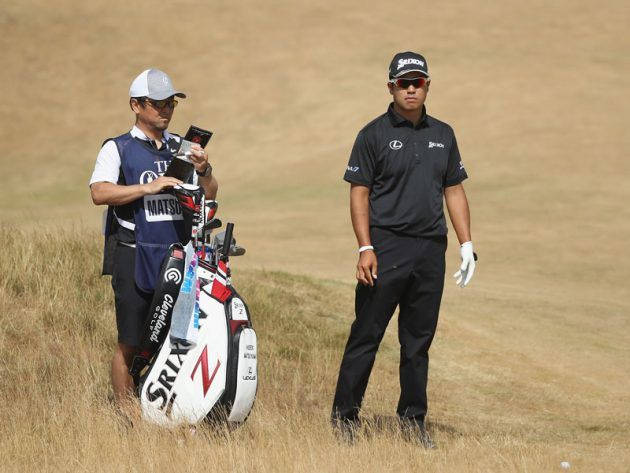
(397,120)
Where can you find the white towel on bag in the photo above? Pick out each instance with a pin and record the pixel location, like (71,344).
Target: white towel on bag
(185,320)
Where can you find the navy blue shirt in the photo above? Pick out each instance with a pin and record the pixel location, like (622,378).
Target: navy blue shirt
(406,168)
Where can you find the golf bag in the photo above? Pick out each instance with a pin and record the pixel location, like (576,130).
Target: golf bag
(159,319)
(215,375)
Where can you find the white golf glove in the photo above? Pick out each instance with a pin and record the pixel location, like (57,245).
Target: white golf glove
(467,269)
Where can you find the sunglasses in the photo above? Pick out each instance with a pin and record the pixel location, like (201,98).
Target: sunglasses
(161,104)
(417,82)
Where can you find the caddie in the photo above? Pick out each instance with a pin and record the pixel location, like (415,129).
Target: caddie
(402,167)
(143,219)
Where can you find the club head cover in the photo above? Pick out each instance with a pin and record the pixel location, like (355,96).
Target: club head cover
(211,209)
(190,198)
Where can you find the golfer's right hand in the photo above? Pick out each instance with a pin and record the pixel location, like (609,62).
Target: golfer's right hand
(366,268)
(163,182)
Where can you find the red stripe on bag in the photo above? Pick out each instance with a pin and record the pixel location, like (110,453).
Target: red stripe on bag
(219,291)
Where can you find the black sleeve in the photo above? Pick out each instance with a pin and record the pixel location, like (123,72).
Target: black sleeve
(361,164)
(455,172)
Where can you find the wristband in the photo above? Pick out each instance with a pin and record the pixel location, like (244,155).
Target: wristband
(365,248)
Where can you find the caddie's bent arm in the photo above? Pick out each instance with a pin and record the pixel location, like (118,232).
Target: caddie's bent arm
(210,186)
(108,193)
(205,178)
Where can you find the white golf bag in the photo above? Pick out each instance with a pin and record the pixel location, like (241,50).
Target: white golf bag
(215,377)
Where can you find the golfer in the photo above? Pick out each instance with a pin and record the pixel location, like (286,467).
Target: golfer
(142,219)
(403,164)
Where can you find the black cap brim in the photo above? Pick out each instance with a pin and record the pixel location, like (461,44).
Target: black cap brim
(411,70)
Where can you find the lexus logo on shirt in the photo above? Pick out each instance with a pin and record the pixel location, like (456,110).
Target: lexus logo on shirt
(395,144)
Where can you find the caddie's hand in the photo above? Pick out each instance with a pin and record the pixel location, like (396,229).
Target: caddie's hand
(199,158)
(160,184)
(366,268)
(467,269)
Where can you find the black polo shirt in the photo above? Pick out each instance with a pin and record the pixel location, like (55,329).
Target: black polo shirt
(406,169)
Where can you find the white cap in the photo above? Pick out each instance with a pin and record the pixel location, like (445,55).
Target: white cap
(154,84)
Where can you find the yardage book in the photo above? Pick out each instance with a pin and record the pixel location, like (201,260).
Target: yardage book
(181,167)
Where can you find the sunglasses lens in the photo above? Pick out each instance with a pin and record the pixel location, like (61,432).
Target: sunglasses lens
(160,104)
(405,83)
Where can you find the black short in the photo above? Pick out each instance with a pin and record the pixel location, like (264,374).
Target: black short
(132,304)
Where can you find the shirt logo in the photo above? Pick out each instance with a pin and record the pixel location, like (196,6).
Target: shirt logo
(395,145)
(147,176)
(461,166)
(435,145)
(403,62)
(352,168)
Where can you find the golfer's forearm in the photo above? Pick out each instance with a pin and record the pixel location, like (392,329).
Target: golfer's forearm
(107,193)
(210,187)
(360,213)
(458,211)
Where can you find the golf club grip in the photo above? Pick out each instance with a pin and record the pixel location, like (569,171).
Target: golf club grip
(227,242)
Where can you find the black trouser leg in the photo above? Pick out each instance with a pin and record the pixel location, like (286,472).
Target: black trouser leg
(373,313)
(419,308)
(374,308)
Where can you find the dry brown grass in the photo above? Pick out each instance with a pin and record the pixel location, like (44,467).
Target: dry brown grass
(499,402)
(530,363)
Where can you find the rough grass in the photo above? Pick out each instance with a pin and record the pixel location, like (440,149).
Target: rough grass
(530,364)
(491,409)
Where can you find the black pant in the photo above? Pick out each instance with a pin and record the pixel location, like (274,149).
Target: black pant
(411,275)
(132,304)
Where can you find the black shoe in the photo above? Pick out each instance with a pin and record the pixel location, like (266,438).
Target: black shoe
(345,430)
(415,432)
